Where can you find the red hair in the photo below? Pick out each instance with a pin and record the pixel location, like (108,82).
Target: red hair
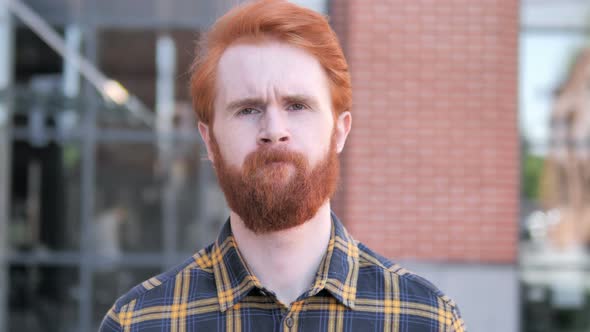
(280,20)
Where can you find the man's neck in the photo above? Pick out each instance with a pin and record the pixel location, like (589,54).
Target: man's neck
(285,262)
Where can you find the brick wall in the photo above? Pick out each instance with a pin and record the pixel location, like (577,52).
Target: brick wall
(430,171)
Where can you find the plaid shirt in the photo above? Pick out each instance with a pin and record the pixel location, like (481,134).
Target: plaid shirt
(354,290)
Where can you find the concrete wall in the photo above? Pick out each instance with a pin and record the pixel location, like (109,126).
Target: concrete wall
(487,294)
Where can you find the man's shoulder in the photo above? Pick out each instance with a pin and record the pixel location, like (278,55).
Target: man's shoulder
(197,271)
(375,269)
(380,281)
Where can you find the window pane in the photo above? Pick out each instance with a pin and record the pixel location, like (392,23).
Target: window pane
(45,209)
(43,298)
(128,209)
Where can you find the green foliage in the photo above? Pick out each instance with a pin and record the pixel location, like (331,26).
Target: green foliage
(532,170)
(71,156)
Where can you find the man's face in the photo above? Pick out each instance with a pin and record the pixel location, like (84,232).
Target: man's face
(274,133)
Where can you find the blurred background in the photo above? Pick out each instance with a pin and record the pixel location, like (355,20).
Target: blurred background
(468,162)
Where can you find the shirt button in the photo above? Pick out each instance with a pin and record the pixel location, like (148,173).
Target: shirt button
(289,322)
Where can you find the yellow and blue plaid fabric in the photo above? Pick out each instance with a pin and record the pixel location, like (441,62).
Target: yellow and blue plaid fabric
(355,290)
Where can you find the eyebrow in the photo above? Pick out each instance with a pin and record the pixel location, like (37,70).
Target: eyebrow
(259,102)
(310,101)
(244,102)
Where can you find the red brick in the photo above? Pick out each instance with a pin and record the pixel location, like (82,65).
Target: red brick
(433,155)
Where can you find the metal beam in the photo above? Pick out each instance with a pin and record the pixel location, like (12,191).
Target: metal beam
(6,78)
(165,104)
(87,190)
(110,89)
(145,14)
(555,30)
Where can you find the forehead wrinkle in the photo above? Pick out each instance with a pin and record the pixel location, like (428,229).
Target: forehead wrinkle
(244,89)
(271,90)
(292,87)
(230,65)
(275,81)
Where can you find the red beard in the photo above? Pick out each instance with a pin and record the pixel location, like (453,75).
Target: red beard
(276,189)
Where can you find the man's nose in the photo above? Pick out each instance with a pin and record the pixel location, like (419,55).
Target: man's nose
(274,128)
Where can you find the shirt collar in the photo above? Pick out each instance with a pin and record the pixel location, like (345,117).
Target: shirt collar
(337,274)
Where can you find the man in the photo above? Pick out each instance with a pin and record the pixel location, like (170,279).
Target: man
(272,93)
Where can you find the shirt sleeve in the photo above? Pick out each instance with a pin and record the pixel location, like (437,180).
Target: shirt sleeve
(457,323)
(110,322)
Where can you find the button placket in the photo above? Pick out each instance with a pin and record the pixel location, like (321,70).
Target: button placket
(289,321)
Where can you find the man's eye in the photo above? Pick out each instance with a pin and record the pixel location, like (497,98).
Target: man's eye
(248,111)
(296,107)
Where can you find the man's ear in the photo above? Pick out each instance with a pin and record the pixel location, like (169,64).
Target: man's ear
(343,126)
(205,132)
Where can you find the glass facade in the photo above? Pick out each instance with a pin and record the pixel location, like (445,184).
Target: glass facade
(102,196)
(555,198)
(104,181)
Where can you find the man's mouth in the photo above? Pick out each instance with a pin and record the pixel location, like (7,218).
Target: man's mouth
(279,165)
(277,162)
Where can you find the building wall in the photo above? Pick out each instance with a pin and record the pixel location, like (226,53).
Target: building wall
(432,160)
(487,294)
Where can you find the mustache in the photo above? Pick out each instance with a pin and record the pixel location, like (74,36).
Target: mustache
(265,156)
(261,158)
